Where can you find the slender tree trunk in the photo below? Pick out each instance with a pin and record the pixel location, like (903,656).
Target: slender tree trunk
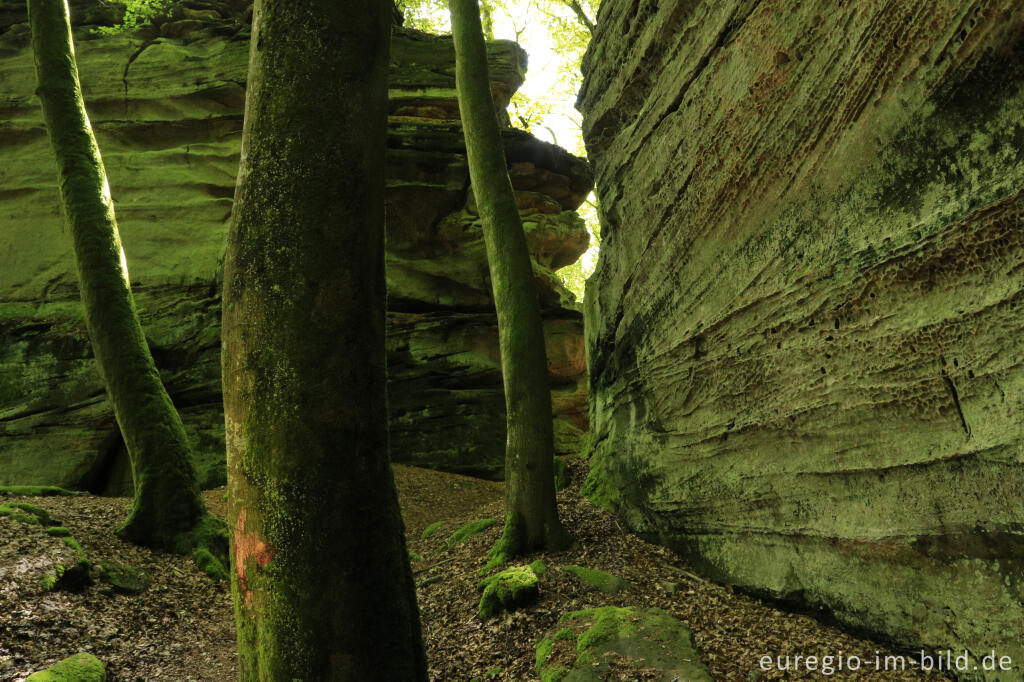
(320,570)
(167,502)
(531,514)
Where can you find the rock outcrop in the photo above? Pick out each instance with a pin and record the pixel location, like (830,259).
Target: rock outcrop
(807,370)
(166,102)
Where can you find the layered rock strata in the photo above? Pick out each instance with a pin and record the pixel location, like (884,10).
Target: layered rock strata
(807,369)
(166,102)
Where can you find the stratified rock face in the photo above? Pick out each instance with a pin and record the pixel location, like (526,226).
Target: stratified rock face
(167,104)
(807,368)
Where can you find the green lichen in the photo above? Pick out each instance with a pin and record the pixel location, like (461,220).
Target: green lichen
(35,490)
(469,530)
(606,582)
(506,591)
(432,528)
(81,667)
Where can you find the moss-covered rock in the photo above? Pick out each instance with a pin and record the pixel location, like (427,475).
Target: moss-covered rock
(26,513)
(648,639)
(509,589)
(123,578)
(81,667)
(606,582)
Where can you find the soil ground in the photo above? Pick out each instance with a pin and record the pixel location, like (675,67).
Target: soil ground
(182,627)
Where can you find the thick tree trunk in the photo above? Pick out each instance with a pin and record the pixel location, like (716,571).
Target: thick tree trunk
(531,514)
(320,571)
(167,502)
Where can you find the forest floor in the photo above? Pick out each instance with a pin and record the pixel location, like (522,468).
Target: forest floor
(182,627)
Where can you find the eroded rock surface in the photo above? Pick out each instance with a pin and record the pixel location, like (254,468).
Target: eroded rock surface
(166,103)
(807,371)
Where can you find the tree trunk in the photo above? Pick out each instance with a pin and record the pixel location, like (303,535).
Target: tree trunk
(320,570)
(167,502)
(531,514)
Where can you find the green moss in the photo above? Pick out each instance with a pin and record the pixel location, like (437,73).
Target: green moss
(506,591)
(561,474)
(35,490)
(123,578)
(469,530)
(539,567)
(546,647)
(508,544)
(73,544)
(26,513)
(81,667)
(606,582)
(413,556)
(58,531)
(209,544)
(209,565)
(432,528)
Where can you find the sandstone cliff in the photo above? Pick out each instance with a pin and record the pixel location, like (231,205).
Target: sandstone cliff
(166,103)
(807,369)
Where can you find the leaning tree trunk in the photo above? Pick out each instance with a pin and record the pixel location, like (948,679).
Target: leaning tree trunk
(167,503)
(531,514)
(320,573)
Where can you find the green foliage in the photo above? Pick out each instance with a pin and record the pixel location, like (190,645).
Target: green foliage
(137,13)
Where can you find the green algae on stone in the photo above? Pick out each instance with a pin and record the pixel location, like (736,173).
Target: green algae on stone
(578,649)
(432,528)
(123,578)
(606,582)
(469,530)
(508,590)
(82,667)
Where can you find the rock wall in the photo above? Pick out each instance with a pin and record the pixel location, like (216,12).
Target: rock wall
(166,103)
(804,332)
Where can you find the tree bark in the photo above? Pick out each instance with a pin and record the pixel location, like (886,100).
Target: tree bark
(531,514)
(167,502)
(320,571)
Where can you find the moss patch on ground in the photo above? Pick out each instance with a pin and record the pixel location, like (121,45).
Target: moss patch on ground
(27,513)
(35,490)
(650,638)
(123,578)
(81,667)
(509,589)
(432,528)
(469,530)
(606,582)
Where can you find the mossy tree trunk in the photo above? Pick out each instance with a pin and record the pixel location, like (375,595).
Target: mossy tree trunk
(531,514)
(167,503)
(320,571)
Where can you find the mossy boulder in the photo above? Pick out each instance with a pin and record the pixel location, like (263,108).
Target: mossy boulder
(580,648)
(510,589)
(606,582)
(123,578)
(81,667)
